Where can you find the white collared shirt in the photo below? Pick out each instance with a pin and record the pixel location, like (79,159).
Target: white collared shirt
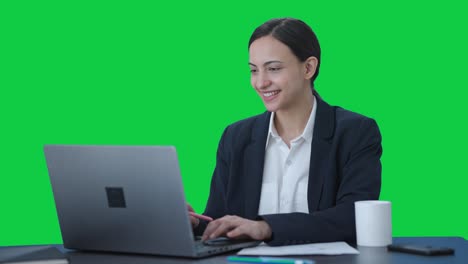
(286,170)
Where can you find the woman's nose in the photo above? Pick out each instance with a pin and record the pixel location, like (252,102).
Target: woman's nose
(262,82)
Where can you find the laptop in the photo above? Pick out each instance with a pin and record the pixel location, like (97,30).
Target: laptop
(125,199)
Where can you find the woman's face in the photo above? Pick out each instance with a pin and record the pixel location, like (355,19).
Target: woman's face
(277,75)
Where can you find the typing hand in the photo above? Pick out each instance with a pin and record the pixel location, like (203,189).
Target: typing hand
(195,221)
(237,227)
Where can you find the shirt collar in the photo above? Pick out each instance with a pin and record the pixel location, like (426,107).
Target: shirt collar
(306,134)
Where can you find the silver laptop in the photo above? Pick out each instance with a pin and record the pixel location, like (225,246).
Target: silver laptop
(124,199)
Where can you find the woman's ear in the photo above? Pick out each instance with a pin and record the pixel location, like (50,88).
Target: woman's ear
(310,67)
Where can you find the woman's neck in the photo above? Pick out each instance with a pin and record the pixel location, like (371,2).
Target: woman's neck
(290,123)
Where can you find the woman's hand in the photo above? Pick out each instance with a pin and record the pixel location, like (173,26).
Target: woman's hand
(237,227)
(193,220)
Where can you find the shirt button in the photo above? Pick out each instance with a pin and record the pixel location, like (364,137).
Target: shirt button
(288,162)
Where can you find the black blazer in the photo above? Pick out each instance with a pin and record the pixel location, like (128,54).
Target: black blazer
(344,167)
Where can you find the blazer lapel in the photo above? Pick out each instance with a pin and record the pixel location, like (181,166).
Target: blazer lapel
(323,132)
(254,157)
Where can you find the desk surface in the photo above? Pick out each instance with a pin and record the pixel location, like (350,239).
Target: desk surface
(367,255)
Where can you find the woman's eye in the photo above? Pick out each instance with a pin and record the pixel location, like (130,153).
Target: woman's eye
(253,70)
(274,69)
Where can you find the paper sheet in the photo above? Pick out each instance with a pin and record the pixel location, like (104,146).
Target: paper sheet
(334,248)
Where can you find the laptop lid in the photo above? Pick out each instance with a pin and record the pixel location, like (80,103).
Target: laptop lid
(120,198)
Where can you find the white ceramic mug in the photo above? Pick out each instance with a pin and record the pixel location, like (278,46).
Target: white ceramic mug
(373,223)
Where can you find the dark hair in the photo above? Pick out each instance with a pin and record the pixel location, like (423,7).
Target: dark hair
(295,34)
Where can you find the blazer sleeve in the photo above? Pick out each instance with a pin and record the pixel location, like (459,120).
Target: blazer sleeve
(360,179)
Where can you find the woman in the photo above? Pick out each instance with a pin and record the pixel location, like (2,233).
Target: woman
(292,174)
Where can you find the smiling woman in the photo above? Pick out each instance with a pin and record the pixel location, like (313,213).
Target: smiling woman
(292,174)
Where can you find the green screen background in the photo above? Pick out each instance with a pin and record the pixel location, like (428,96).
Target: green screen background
(175,73)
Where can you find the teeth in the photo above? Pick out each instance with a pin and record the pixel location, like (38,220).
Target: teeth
(270,93)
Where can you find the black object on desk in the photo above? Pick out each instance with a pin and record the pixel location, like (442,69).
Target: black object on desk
(421,250)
